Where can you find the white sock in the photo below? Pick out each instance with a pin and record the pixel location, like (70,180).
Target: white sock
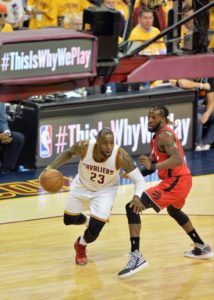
(82,241)
(87,220)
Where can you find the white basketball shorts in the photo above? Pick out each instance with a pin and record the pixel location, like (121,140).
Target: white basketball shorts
(98,203)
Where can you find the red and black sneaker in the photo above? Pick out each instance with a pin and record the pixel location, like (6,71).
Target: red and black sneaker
(81,257)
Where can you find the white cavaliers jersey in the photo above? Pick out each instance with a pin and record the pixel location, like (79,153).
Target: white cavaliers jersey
(98,175)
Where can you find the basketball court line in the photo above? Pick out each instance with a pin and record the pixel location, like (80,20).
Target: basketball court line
(113,215)
(44,205)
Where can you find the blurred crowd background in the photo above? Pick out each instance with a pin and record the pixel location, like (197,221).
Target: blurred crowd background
(140,21)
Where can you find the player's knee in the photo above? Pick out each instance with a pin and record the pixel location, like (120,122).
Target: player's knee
(178,215)
(133,218)
(74,220)
(94,228)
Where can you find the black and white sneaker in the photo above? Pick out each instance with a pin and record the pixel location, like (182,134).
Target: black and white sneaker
(136,263)
(200,252)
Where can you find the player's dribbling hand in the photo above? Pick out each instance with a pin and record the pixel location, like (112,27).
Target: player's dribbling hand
(136,204)
(47,169)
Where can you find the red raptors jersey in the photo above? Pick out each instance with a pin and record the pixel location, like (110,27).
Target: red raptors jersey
(162,156)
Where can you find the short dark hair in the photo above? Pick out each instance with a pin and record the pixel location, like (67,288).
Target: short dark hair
(163,110)
(105,130)
(144,10)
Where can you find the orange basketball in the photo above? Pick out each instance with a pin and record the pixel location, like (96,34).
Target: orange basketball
(51,180)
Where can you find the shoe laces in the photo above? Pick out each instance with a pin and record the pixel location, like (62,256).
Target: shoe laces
(132,260)
(200,249)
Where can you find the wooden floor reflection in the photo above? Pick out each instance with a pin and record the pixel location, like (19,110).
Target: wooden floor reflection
(37,256)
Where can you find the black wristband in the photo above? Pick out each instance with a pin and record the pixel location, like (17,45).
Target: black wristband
(146,172)
(153,167)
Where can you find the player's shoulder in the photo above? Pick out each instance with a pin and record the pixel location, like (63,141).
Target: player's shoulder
(121,151)
(83,143)
(80,147)
(166,136)
(124,160)
(122,155)
(166,131)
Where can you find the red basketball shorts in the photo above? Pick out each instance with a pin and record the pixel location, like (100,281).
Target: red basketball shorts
(170,191)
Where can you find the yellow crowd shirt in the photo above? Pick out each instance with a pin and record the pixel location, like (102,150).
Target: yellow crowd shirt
(186,38)
(137,3)
(166,8)
(211,27)
(138,34)
(48,16)
(72,11)
(123,8)
(67,6)
(7,28)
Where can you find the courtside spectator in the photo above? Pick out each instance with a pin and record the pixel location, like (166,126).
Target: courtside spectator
(42,13)
(4,26)
(70,13)
(11,143)
(15,12)
(145,31)
(159,14)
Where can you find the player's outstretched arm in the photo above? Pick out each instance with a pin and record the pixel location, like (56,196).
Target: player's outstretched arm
(77,149)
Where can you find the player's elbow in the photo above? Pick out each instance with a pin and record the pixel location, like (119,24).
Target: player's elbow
(182,83)
(178,161)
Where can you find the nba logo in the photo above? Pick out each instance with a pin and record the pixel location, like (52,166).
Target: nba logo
(45,141)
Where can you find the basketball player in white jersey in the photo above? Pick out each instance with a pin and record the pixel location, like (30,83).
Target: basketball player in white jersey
(96,184)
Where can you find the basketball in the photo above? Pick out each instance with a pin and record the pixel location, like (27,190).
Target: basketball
(51,180)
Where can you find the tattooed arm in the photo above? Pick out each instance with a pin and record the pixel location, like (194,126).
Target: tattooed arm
(78,149)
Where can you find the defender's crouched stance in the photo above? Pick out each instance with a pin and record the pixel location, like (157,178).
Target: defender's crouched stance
(168,158)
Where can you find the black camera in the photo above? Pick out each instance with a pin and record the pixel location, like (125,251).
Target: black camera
(14,111)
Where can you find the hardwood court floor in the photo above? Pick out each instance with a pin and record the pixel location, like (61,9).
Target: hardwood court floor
(37,256)
(37,262)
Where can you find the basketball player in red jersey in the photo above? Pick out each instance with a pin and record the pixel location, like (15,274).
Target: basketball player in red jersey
(167,158)
(95,185)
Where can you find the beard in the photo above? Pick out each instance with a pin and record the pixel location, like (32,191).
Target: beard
(155,129)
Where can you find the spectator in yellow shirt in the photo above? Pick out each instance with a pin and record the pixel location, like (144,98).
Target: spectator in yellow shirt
(211,27)
(42,13)
(122,6)
(145,31)
(15,12)
(187,29)
(4,26)
(158,11)
(70,13)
